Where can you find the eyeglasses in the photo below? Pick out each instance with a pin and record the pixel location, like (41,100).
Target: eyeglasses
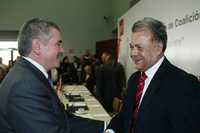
(59,44)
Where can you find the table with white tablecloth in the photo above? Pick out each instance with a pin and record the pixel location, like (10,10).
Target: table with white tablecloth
(94,109)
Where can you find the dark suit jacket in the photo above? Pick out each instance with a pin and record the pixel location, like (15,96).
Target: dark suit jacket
(89,83)
(68,73)
(110,82)
(171,104)
(29,104)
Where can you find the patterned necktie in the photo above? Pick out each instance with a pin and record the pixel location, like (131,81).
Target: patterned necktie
(50,82)
(138,95)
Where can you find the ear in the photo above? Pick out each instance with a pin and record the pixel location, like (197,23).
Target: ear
(159,48)
(36,46)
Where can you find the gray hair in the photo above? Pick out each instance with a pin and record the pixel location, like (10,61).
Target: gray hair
(34,29)
(156,27)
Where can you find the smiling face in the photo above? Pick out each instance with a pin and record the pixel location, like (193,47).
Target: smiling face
(145,51)
(51,51)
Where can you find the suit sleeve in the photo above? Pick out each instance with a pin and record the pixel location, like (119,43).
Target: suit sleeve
(121,122)
(186,117)
(84,125)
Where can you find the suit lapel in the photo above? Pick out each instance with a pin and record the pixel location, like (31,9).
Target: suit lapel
(35,71)
(154,85)
(58,107)
(129,104)
(133,83)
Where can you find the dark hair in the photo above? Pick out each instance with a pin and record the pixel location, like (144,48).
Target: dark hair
(65,58)
(156,27)
(35,28)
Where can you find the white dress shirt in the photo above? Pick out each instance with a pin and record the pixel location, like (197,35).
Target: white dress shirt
(150,73)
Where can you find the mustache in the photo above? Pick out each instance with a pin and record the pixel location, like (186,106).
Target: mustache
(131,56)
(135,57)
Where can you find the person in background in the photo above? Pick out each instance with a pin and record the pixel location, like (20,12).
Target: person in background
(161,97)
(86,58)
(68,72)
(77,64)
(110,80)
(88,78)
(28,101)
(2,74)
(3,69)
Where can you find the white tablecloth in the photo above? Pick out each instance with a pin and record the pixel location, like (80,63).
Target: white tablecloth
(96,111)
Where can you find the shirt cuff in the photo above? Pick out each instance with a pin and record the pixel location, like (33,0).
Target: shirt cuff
(110,131)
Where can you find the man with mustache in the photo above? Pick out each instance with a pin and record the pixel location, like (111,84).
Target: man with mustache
(161,97)
(28,100)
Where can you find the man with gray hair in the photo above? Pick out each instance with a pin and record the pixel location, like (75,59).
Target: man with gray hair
(28,101)
(161,98)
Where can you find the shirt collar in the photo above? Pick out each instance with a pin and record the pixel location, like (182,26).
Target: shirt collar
(40,67)
(152,70)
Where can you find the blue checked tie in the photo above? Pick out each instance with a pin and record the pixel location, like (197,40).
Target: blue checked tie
(50,82)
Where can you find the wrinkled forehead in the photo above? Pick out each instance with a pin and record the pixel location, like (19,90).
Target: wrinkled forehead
(146,31)
(142,33)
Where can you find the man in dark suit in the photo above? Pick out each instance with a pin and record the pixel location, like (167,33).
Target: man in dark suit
(110,81)
(170,99)
(28,101)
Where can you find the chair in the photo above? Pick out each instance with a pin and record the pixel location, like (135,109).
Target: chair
(117,105)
